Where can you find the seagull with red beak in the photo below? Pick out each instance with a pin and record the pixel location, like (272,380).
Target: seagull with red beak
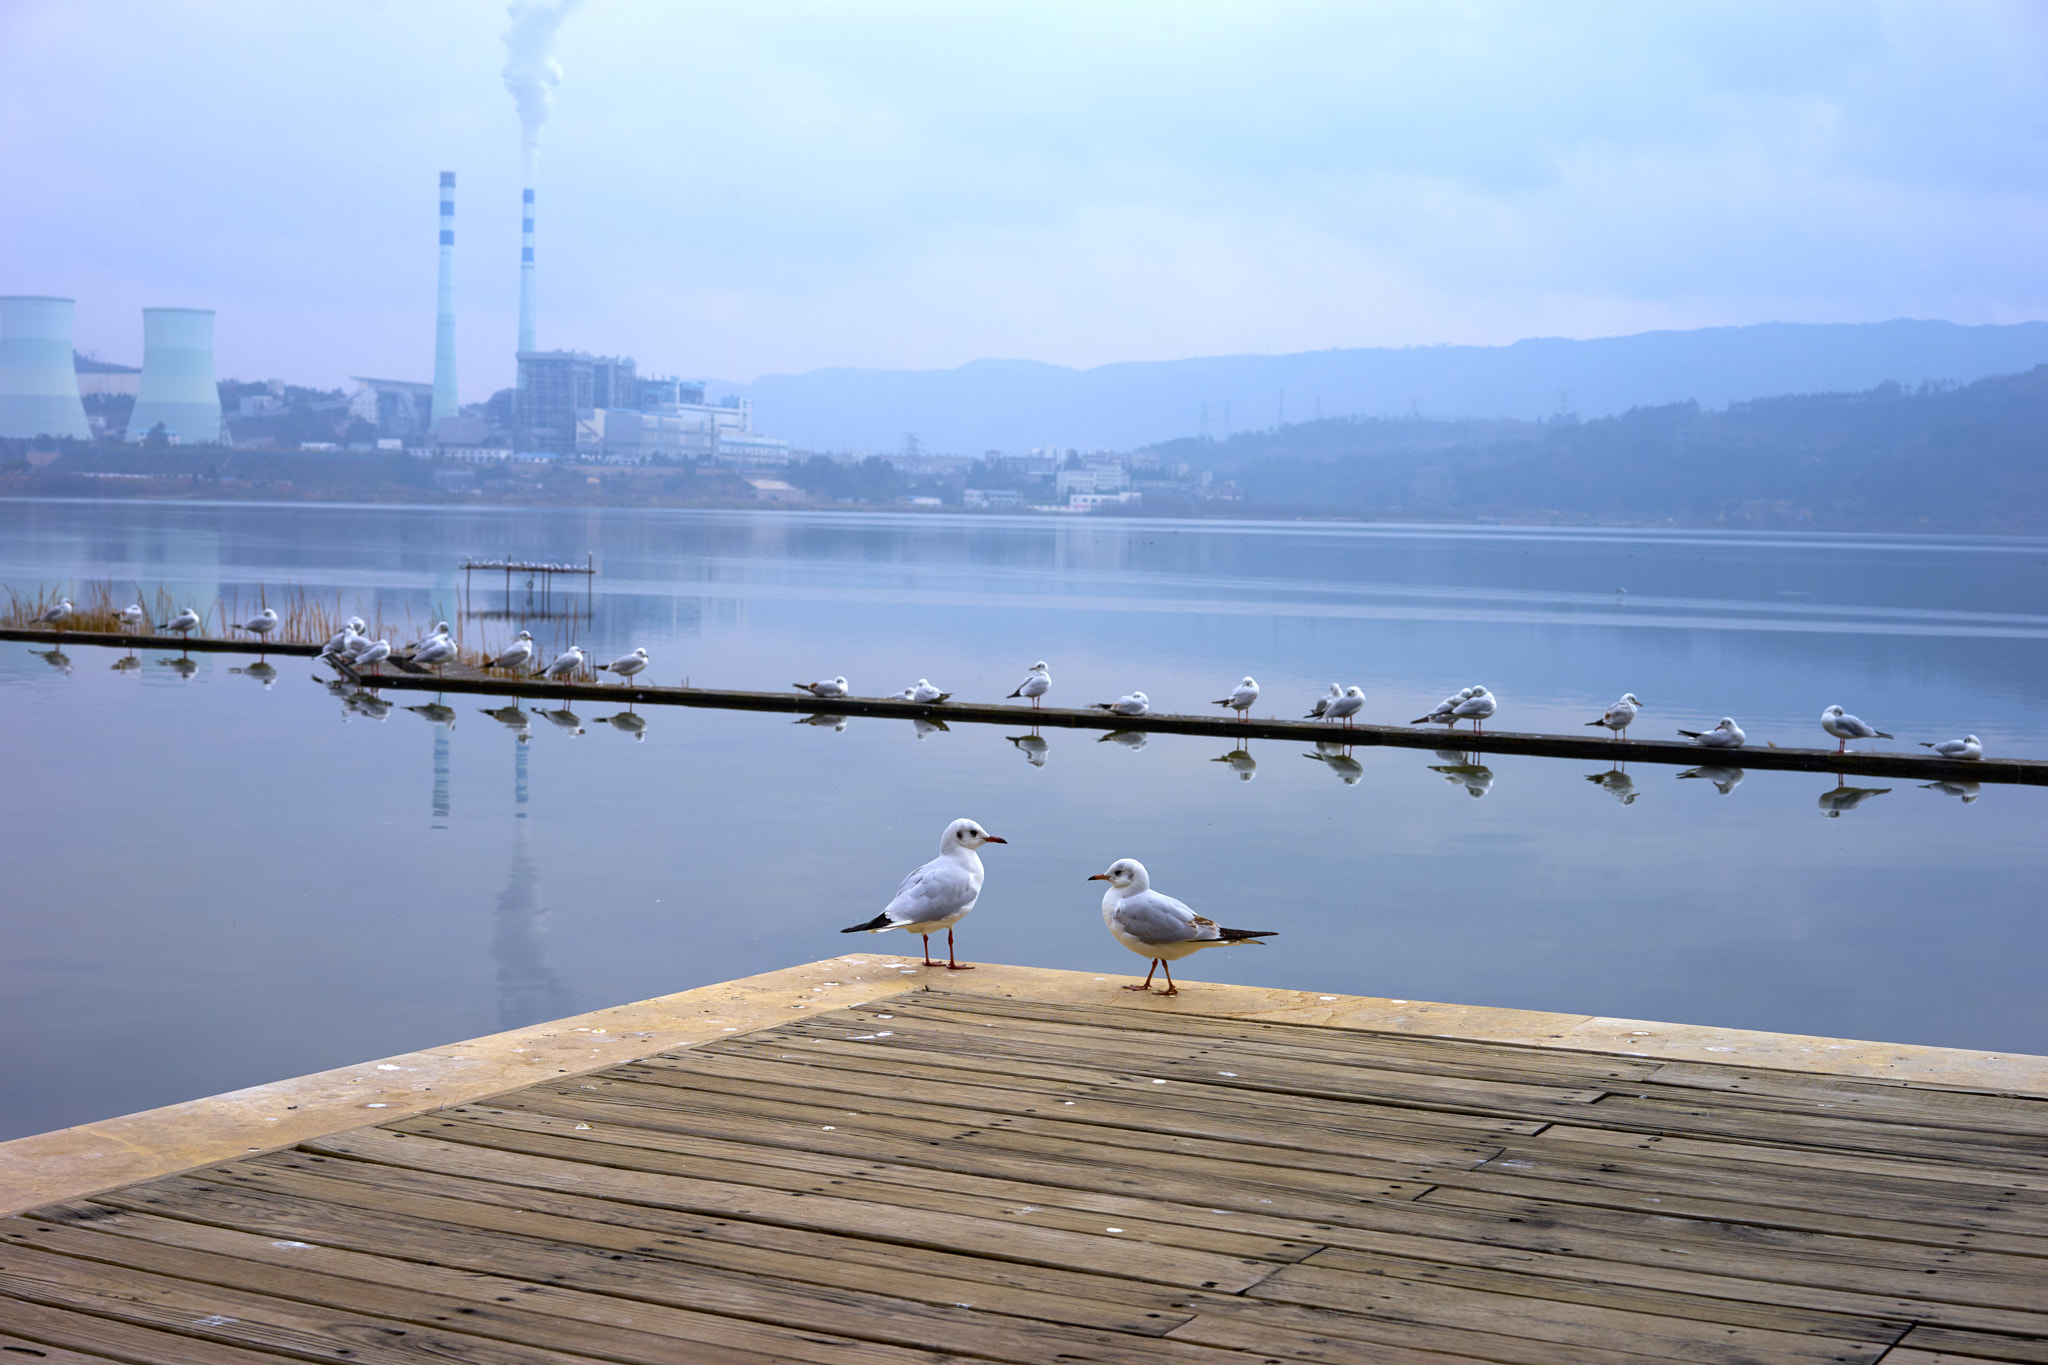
(939,894)
(1156,926)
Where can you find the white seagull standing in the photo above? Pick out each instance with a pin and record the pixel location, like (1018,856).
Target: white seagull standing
(830,687)
(1037,682)
(1132,704)
(567,664)
(1345,707)
(374,653)
(339,641)
(436,651)
(57,615)
(1443,712)
(627,665)
(519,655)
(1621,715)
(927,695)
(184,622)
(1157,927)
(939,894)
(1475,708)
(1241,697)
(261,624)
(132,617)
(1968,747)
(1323,704)
(1846,727)
(439,631)
(1726,735)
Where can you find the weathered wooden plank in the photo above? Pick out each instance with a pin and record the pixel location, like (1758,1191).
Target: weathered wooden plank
(1997,1151)
(69,1338)
(336,1214)
(2023,1114)
(1760,1151)
(609,1304)
(652,1181)
(1947,1343)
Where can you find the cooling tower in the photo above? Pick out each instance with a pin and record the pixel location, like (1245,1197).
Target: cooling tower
(526,304)
(446,404)
(38,384)
(177,378)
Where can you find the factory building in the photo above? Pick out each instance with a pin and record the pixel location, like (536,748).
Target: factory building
(600,407)
(38,386)
(177,389)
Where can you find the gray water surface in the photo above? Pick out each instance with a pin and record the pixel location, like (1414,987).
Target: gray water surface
(220,879)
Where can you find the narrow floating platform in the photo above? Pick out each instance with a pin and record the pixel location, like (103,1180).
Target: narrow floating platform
(463,678)
(863,1161)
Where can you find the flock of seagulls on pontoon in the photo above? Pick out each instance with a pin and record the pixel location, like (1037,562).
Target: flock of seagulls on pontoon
(938,895)
(353,647)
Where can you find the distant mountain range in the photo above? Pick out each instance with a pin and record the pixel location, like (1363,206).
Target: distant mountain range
(1015,405)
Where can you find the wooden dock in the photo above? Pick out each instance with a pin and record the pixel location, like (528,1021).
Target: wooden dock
(934,1176)
(1602,748)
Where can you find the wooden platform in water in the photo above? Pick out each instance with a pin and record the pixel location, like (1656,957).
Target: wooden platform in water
(933,1176)
(1600,747)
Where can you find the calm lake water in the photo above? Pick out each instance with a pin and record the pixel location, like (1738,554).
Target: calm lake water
(215,880)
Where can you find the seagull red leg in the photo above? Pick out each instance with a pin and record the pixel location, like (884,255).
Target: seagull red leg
(951,965)
(1171,989)
(1147,986)
(928,952)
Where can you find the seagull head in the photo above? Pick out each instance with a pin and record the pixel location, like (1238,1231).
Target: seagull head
(526,635)
(1249,681)
(1972,739)
(1357,692)
(1140,696)
(967,834)
(268,614)
(1833,713)
(840,683)
(1125,874)
(1727,723)
(1039,667)
(1630,698)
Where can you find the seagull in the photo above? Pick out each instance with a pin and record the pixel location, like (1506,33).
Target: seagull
(1129,739)
(627,665)
(1157,927)
(133,616)
(564,719)
(1475,778)
(1241,697)
(184,622)
(1950,786)
(631,722)
(437,651)
(1968,747)
(927,695)
(1725,779)
(1331,752)
(1323,704)
(1846,727)
(1345,707)
(1033,747)
(830,687)
(340,640)
(1621,715)
(1441,714)
(1841,797)
(566,665)
(261,624)
(376,652)
(1241,762)
(56,615)
(440,629)
(1037,682)
(1726,735)
(358,644)
(519,655)
(1135,704)
(1475,708)
(939,894)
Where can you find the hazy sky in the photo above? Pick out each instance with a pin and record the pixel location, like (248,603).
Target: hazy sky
(729,189)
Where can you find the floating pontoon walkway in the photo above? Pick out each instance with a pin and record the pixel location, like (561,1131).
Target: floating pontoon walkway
(866,1162)
(1603,749)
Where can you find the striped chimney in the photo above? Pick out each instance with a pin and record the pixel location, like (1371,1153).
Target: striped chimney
(526,303)
(446,404)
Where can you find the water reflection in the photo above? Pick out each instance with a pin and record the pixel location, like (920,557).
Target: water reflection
(127,664)
(925,727)
(1129,739)
(1336,755)
(1725,779)
(1842,796)
(1032,746)
(1464,770)
(514,718)
(436,712)
(1241,762)
(184,665)
(836,724)
(368,705)
(1952,786)
(629,722)
(528,990)
(1616,784)
(262,671)
(562,718)
(55,658)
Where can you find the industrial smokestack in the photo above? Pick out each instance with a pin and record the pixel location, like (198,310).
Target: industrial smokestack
(38,378)
(177,386)
(526,301)
(446,404)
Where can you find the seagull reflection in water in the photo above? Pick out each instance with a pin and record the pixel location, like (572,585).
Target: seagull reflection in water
(630,722)
(1464,770)
(1032,746)
(563,719)
(262,671)
(1129,739)
(55,658)
(1950,786)
(1842,796)
(183,666)
(1725,780)
(514,718)
(836,724)
(1336,756)
(1241,762)
(1616,784)
(925,727)
(437,713)
(127,664)
(368,704)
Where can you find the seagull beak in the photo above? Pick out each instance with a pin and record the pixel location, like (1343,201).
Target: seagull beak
(992,839)
(1099,877)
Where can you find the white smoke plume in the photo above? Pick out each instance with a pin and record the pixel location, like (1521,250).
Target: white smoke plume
(531,71)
